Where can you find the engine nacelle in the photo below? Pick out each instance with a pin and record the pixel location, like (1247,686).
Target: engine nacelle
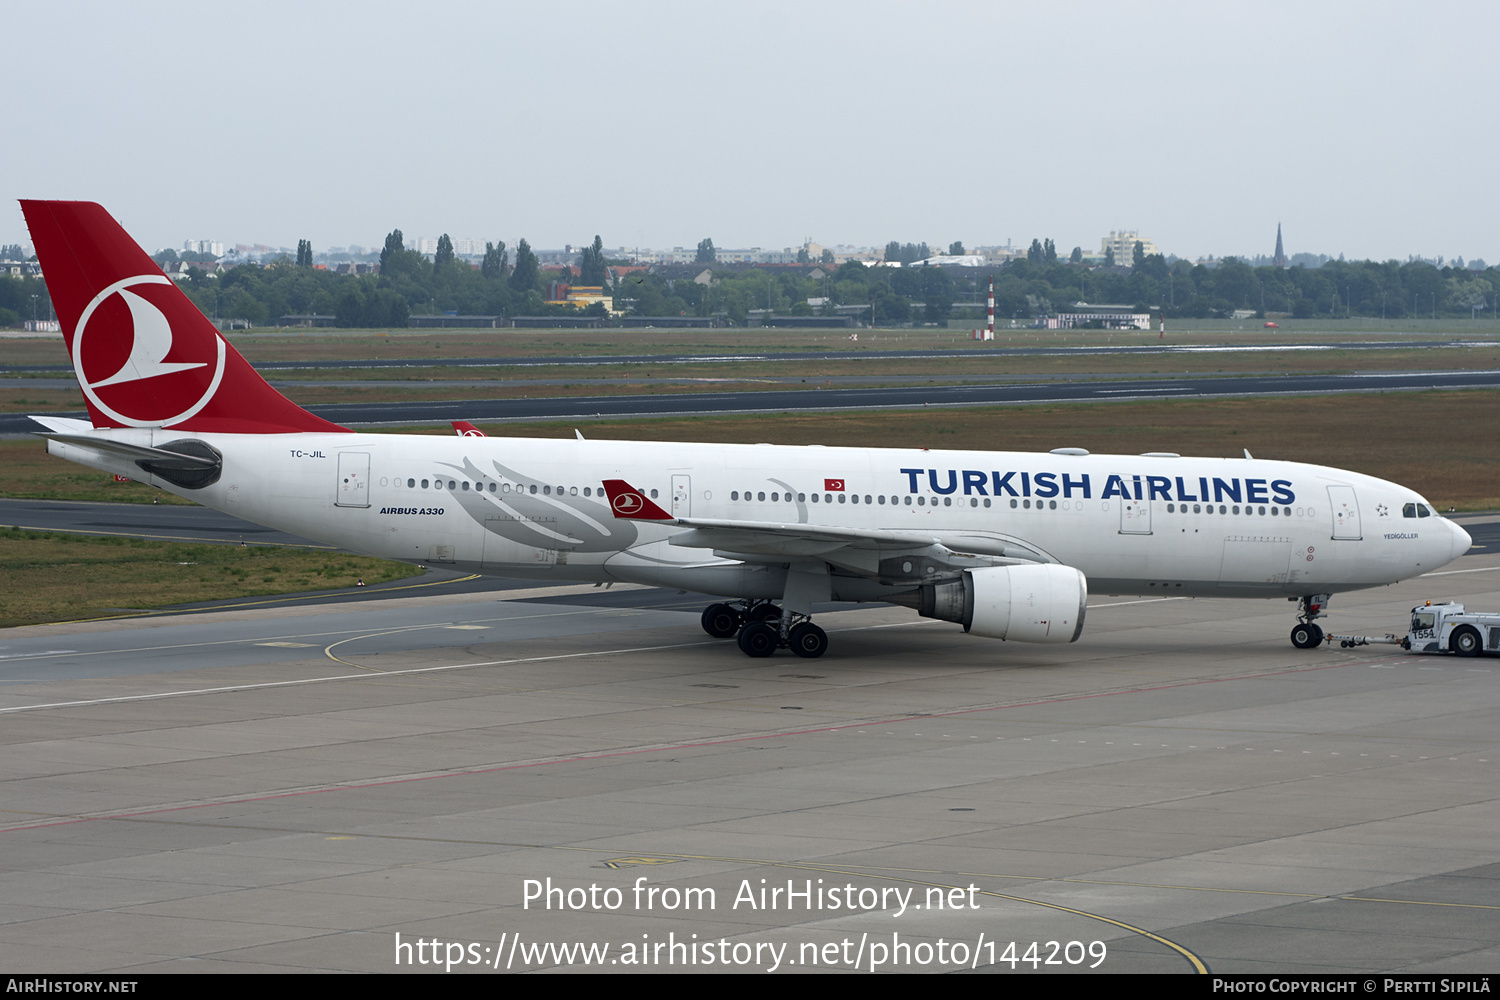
(1034,603)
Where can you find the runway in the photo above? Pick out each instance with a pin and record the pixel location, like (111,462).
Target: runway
(1180,791)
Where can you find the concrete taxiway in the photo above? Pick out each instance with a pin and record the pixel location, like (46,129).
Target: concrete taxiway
(291,789)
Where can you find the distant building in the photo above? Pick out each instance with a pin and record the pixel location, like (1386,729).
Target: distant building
(1106,316)
(177,270)
(1279,258)
(955,260)
(461,248)
(453,321)
(583,296)
(1123,244)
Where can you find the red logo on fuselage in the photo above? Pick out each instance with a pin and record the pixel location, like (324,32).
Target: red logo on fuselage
(164,372)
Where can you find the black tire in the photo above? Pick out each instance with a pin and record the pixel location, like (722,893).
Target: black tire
(1466,642)
(721,621)
(764,613)
(1306,636)
(808,641)
(759,639)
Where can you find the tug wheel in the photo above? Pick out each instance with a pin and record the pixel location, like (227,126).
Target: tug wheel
(1465,642)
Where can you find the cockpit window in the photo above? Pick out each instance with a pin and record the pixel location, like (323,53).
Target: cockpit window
(1409,510)
(1423,510)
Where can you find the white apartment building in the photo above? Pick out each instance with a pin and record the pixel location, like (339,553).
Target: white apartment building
(1123,243)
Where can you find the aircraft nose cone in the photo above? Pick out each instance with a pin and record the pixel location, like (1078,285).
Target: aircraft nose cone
(1461,540)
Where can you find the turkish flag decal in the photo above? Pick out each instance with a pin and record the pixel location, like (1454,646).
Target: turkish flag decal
(833,485)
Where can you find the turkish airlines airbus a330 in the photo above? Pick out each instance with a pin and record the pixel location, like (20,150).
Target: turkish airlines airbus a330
(1003,543)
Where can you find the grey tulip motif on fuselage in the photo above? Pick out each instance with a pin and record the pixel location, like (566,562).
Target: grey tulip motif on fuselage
(541,514)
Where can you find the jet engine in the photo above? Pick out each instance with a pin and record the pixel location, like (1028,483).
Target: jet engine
(1032,603)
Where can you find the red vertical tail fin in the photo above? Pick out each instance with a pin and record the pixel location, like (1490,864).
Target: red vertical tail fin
(145,356)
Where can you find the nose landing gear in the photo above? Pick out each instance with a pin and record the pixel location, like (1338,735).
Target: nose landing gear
(1306,634)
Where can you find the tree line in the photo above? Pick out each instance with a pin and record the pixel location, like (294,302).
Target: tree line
(510,282)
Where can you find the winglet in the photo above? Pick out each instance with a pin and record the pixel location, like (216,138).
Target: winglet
(631,504)
(465,429)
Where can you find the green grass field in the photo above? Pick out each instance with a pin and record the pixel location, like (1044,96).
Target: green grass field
(47,576)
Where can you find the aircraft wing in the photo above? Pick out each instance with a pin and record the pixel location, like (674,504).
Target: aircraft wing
(771,538)
(850,547)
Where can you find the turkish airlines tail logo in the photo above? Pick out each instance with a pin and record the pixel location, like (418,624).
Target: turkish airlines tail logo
(144,354)
(153,340)
(467,430)
(631,504)
(171,391)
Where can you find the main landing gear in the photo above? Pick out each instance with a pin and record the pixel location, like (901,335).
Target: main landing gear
(1308,635)
(762,629)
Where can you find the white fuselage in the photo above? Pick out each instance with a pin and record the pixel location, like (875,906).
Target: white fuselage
(535,508)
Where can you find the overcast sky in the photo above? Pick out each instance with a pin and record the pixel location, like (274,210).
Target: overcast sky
(1364,128)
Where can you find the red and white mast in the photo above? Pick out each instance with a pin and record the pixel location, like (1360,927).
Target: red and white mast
(988,333)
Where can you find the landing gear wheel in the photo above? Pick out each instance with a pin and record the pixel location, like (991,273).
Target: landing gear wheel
(1465,642)
(759,639)
(1306,635)
(809,641)
(721,621)
(764,613)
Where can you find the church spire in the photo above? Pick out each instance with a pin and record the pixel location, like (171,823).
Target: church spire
(1279,260)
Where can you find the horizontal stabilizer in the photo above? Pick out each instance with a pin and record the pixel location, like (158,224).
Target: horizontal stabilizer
(157,457)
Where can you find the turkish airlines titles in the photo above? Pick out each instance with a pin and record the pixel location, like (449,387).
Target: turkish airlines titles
(1135,487)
